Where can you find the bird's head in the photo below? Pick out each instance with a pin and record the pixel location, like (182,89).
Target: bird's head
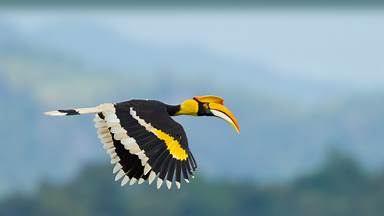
(208,106)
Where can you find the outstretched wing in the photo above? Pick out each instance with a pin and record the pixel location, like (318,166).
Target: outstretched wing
(145,142)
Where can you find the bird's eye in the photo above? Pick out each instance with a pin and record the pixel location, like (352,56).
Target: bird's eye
(206,106)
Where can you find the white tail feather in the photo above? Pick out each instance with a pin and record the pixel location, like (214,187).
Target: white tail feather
(79,111)
(54,113)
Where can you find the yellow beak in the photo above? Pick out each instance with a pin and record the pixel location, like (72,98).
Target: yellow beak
(223,112)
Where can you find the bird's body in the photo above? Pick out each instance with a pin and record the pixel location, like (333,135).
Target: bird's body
(143,140)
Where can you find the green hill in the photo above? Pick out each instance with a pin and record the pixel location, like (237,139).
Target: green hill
(340,188)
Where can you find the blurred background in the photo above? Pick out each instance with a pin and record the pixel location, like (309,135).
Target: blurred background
(305,80)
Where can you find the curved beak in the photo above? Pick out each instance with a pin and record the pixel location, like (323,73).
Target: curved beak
(223,112)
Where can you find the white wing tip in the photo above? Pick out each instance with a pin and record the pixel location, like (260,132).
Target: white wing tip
(151,177)
(169,184)
(141,181)
(124,181)
(133,181)
(159,183)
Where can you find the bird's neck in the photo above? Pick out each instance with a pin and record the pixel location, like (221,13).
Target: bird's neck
(172,109)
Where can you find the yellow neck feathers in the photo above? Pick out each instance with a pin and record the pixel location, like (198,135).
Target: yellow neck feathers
(188,107)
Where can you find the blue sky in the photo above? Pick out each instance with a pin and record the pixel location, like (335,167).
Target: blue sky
(345,46)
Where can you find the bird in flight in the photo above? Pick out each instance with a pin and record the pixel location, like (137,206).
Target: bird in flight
(143,140)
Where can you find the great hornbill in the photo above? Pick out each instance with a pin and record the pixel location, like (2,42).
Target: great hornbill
(144,142)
